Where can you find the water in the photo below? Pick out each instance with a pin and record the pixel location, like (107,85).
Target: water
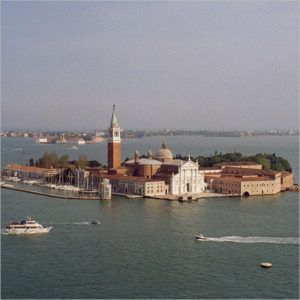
(145,248)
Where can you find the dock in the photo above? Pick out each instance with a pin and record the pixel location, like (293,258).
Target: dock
(180,198)
(76,197)
(11,187)
(187,197)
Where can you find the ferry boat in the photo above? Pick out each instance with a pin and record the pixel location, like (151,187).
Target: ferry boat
(27,226)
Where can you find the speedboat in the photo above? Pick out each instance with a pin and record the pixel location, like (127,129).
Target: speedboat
(95,222)
(27,226)
(200,237)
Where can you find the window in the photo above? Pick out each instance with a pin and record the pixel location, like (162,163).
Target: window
(116,134)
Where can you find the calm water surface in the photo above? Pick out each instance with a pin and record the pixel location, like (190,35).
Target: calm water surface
(144,248)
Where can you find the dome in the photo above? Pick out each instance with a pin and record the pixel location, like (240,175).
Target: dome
(149,154)
(164,154)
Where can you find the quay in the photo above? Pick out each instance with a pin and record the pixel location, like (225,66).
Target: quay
(184,198)
(188,198)
(11,187)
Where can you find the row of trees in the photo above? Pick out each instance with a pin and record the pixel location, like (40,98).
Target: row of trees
(52,159)
(268,161)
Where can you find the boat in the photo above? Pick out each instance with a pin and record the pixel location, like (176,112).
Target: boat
(95,222)
(90,191)
(73,148)
(27,226)
(266,265)
(200,237)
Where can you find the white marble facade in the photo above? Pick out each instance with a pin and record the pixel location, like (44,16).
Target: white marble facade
(188,180)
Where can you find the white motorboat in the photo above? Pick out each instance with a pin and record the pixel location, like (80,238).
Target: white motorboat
(266,265)
(200,237)
(27,226)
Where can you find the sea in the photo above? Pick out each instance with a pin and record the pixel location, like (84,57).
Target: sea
(145,248)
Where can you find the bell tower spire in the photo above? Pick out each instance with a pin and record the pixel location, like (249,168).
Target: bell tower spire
(114,142)
(114,120)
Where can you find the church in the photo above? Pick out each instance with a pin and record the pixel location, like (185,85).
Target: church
(157,174)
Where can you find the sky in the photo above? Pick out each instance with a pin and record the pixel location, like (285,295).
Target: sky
(219,65)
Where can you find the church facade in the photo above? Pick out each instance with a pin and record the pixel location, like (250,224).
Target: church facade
(157,174)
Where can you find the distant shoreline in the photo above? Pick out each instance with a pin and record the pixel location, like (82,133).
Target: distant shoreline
(89,135)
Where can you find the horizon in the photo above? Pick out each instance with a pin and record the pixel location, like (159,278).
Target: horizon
(141,129)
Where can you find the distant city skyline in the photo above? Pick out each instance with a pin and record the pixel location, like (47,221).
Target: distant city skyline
(227,65)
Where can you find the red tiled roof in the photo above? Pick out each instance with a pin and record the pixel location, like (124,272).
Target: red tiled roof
(209,168)
(127,178)
(213,175)
(285,173)
(245,179)
(237,163)
(28,169)
(252,171)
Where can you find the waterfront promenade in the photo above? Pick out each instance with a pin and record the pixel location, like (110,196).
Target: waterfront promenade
(184,198)
(10,187)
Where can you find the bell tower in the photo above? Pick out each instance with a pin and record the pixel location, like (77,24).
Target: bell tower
(114,143)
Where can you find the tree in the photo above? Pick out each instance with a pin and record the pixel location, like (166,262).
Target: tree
(44,160)
(53,159)
(48,160)
(87,137)
(82,161)
(265,163)
(63,161)
(31,162)
(94,163)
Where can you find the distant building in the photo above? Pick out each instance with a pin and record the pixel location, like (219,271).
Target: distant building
(97,139)
(71,140)
(46,140)
(26,172)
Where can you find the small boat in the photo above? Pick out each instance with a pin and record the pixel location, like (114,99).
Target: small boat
(200,237)
(90,191)
(266,265)
(95,222)
(27,226)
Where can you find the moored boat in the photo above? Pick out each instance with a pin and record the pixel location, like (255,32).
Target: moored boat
(27,226)
(266,265)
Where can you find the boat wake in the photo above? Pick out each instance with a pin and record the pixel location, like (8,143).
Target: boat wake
(72,223)
(255,239)
(12,150)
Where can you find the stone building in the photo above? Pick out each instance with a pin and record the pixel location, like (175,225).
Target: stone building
(182,177)
(244,181)
(134,185)
(27,172)
(105,190)
(150,175)
(239,164)
(114,144)
(287,181)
